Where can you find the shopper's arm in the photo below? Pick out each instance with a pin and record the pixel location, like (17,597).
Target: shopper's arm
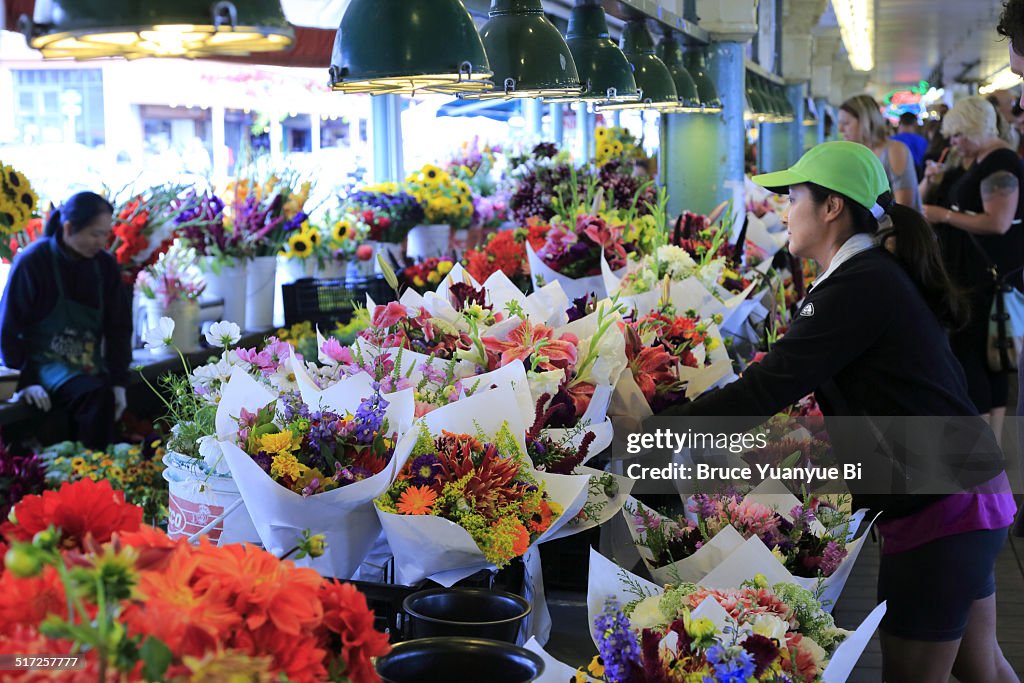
(1000,193)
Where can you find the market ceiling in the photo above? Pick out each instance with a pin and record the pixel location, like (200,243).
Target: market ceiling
(915,39)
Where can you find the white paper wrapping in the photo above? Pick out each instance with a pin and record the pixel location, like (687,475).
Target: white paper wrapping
(611,508)
(689,569)
(345,516)
(431,547)
(574,288)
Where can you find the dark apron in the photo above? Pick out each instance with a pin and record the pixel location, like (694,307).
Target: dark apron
(67,343)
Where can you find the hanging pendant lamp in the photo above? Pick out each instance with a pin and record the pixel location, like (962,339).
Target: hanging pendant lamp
(696,63)
(603,68)
(407,46)
(671,52)
(527,54)
(657,89)
(87,29)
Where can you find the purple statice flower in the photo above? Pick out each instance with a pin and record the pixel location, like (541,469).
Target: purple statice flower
(616,643)
(432,374)
(311,488)
(731,665)
(292,407)
(832,557)
(425,470)
(264,460)
(324,429)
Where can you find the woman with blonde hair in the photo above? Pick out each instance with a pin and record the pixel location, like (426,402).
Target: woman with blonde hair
(979,229)
(861,121)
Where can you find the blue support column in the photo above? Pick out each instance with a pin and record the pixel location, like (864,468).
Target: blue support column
(796,93)
(821,104)
(386,138)
(782,144)
(533,111)
(702,154)
(585,122)
(558,124)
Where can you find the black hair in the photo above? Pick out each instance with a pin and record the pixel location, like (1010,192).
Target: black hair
(916,250)
(1011,25)
(908,118)
(80,210)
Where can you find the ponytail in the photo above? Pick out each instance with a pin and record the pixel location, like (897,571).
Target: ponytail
(916,250)
(80,211)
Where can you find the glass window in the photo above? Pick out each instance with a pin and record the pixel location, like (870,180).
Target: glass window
(60,105)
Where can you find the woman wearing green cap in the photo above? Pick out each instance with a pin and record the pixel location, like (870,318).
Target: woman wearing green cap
(870,340)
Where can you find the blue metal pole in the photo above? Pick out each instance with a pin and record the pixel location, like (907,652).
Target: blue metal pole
(558,124)
(386,133)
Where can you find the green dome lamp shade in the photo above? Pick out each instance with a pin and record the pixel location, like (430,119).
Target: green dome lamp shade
(696,63)
(407,46)
(671,53)
(602,67)
(88,29)
(657,89)
(527,54)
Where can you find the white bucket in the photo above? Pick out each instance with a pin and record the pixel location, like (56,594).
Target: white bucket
(197,498)
(184,313)
(393,253)
(259,292)
(229,285)
(426,241)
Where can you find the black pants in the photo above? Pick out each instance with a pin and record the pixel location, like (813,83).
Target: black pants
(90,401)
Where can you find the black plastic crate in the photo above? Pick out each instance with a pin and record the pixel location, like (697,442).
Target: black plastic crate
(325,302)
(566,561)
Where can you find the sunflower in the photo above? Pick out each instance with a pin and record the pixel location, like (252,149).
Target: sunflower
(342,229)
(299,245)
(417,500)
(314,237)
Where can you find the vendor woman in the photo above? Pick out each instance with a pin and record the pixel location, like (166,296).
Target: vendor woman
(870,340)
(65,322)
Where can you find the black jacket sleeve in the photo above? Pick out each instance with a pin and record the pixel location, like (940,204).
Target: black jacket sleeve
(117,323)
(836,324)
(19,310)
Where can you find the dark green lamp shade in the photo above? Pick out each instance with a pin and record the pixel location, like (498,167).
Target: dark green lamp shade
(603,69)
(696,63)
(406,46)
(671,53)
(87,29)
(657,89)
(758,106)
(527,54)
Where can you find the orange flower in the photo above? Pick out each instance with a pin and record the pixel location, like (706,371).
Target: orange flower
(264,588)
(191,620)
(522,540)
(348,619)
(540,519)
(79,509)
(417,500)
(29,601)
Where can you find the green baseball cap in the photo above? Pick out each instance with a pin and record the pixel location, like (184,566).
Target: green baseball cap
(848,168)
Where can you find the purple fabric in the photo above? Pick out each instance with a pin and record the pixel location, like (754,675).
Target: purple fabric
(988,506)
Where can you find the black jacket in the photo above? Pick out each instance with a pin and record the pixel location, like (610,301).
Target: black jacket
(866,343)
(31,296)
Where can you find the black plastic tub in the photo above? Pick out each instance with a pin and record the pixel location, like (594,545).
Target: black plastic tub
(469,612)
(459,660)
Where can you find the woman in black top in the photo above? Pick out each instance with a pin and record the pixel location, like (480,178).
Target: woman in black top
(65,320)
(869,340)
(979,227)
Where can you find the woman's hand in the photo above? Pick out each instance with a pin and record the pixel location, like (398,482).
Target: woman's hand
(935,214)
(933,171)
(120,402)
(36,396)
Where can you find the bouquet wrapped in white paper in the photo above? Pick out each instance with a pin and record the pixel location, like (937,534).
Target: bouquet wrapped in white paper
(778,620)
(472,451)
(315,466)
(574,288)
